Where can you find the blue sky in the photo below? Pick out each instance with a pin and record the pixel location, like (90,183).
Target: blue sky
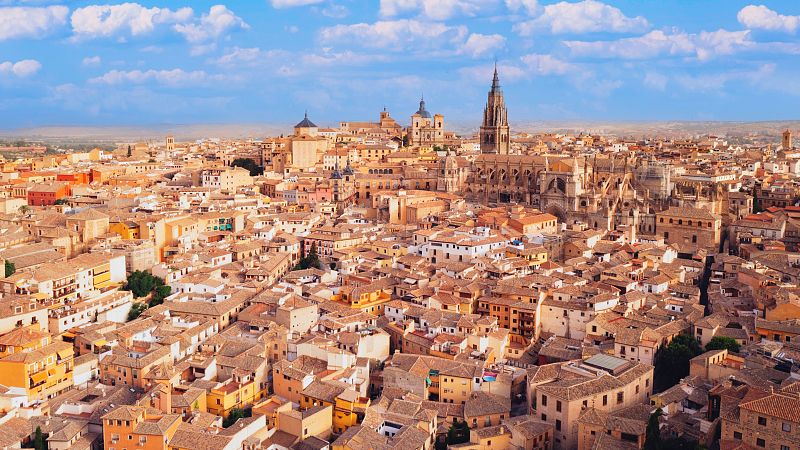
(179,62)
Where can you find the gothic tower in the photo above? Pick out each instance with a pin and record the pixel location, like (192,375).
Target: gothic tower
(494,131)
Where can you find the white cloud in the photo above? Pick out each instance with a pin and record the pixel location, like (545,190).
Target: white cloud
(252,56)
(718,81)
(587,16)
(397,35)
(110,20)
(434,9)
(547,64)
(28,22)
(174,77)
(336,11)
(762,18)
(656,80)
(481,44)
(218,21)
(20,69)
(293,3)
(91,61)
(703,45)
(529,6)
(329,58)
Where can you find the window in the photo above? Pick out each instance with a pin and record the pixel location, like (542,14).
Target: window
(558,405)
(544,417)
(558,425)
(761,443)
(762,421)
(784,447)
(620,398)
(737,435)
(605,400)
(544,400)
(787,427)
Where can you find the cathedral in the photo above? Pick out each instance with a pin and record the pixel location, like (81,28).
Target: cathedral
(495,136)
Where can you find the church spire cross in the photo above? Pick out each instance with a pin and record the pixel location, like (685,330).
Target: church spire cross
(495,79)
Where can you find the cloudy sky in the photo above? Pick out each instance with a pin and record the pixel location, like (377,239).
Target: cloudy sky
(256,61)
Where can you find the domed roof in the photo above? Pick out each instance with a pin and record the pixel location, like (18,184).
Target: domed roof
(305,123)
(422,111)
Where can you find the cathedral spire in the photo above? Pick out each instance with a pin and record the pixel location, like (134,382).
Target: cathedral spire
(494,133)
(495,79)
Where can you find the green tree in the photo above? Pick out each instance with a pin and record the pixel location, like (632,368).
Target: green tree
(159,294)
(405,140)
(130,151)
(653,437)
(313,257)
(247,163)
(672,362)
(722,342)
(143,284)
(311,260)
(40,439)
(236,414)
(756,203)
(10,268)
(61,201)
(136,310)
(458,432)
(24,209)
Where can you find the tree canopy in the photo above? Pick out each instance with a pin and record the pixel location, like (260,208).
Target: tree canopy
(722,342)
(234,415)
(40,439)
(246,163)
(311,260)
(672,362)
(136,310)
(653,435)
(10,268)
(143,283)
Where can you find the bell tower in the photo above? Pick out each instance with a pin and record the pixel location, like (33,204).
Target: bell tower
(494,134)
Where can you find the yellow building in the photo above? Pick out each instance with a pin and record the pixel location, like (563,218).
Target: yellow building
(235,393)
(138,427)
(348,406)
(389,248)
(368,298)
(127,229)
(43,373)
(348,410)
(21,340)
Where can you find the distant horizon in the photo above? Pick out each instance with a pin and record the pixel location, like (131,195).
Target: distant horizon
(235,130)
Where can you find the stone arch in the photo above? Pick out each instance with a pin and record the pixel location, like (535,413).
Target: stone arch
(557,184)
(557,211)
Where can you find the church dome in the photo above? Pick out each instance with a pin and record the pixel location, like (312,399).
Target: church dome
(305,123)
(422,111)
